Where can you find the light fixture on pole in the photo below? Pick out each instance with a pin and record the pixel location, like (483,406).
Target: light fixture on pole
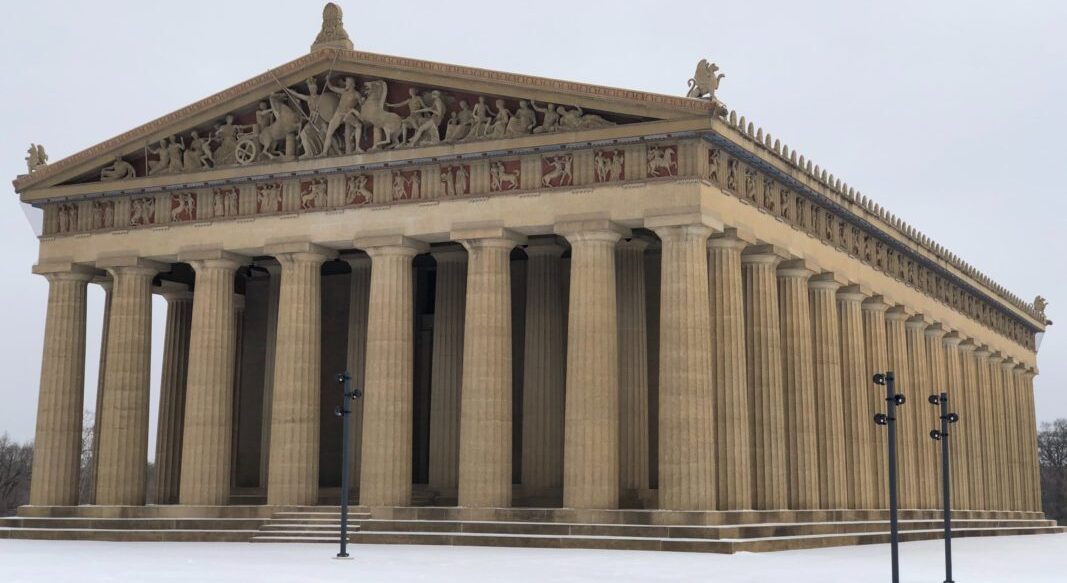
(941,435)
(344,412)
(889,419)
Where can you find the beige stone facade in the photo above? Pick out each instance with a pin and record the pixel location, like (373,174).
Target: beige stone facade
(552,294)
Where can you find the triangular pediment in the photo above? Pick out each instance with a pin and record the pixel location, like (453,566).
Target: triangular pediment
(337,102)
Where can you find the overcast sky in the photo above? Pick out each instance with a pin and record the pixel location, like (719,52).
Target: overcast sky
(950,114)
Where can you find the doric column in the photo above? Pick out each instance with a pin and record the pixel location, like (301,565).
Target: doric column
(686,445)
(544,372)
(388,400)
(124,433)
(57,445)
(897,354)
(633,364)
(913,422)
(293,474)
(829,401)
(1012,454)
(172,391)
(798,384)
(94,463)
(356,361)
(961,497)
(859,431)
(967,432)
(930,417)
(984,440)
(591,416)
(877,334)
(763,345)
(446,375)
(274,291)
(1002,485)
(238,371)
(733,431)
(485,410)
(208,429)
(1029,419)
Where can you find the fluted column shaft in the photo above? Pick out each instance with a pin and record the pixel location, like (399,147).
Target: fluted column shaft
(293,474)
(591,418)
(930,417)
(1012,453)
(859,432)
(961,496)
(686,443)
(124,434)
(733,445)
(208,428)
(798,384)
(763,345)
(172,393)
(388,399)
(915,472)
(985,437)
(997,438)
(1033,468)
(274,292)
(485,411)
(877,334)
(633,364)
(446,375)
(829,394)
(57,444)
(94,465)
(897,353)
(968,433)
(356,359)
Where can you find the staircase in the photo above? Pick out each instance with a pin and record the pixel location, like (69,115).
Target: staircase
(313,524)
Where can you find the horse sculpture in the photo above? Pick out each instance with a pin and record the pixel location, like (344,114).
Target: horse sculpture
(286,123)
(387,125)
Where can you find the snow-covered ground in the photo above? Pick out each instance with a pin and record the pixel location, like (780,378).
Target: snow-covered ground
(1034,559)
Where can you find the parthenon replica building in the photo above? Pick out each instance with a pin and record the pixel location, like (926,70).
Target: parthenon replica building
(565,304)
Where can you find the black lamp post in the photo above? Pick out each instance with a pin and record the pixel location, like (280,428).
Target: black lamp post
(344,413)
(889,419)
(946,479)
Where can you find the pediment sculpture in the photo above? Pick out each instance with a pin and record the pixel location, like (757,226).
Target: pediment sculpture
(342,115)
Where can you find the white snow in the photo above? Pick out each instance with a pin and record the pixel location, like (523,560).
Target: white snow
(1034,559)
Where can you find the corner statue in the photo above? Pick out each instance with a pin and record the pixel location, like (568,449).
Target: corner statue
(36,157)
(705,81)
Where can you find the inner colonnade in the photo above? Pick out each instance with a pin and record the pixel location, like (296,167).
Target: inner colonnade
(677,365)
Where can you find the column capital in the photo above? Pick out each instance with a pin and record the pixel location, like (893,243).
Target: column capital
(981,352)
(936,330)
(199,258)
(875,304)
(852,293)
(479,237)
(680,232)
(996,358)
(953,339)
(968,345)
(1008,363)
(826,280)
(731,239)
(544,246)
(590,230)
(131,264)
(795,268)
(897,313)
(685,217)
(66,271)
(173,291)
(299,250)
(765,254)
(917,322)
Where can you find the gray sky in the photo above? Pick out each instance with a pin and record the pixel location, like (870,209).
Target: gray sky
(950,114)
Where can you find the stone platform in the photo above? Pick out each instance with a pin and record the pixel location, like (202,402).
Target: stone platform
(716,532)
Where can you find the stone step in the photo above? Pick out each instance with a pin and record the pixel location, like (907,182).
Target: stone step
(127,535)
(652,531)
(134,523)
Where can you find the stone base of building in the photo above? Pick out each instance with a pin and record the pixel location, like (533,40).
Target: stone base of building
(715,532)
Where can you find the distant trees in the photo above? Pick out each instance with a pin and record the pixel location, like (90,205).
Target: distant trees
(16,461)
(1052,453)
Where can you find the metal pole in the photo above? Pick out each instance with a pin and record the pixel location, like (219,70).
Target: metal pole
(946,488)
(344,412)
(891,414)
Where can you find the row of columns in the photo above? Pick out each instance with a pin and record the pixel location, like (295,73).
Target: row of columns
(765,400)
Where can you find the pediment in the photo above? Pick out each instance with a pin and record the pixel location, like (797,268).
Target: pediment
(338,102)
